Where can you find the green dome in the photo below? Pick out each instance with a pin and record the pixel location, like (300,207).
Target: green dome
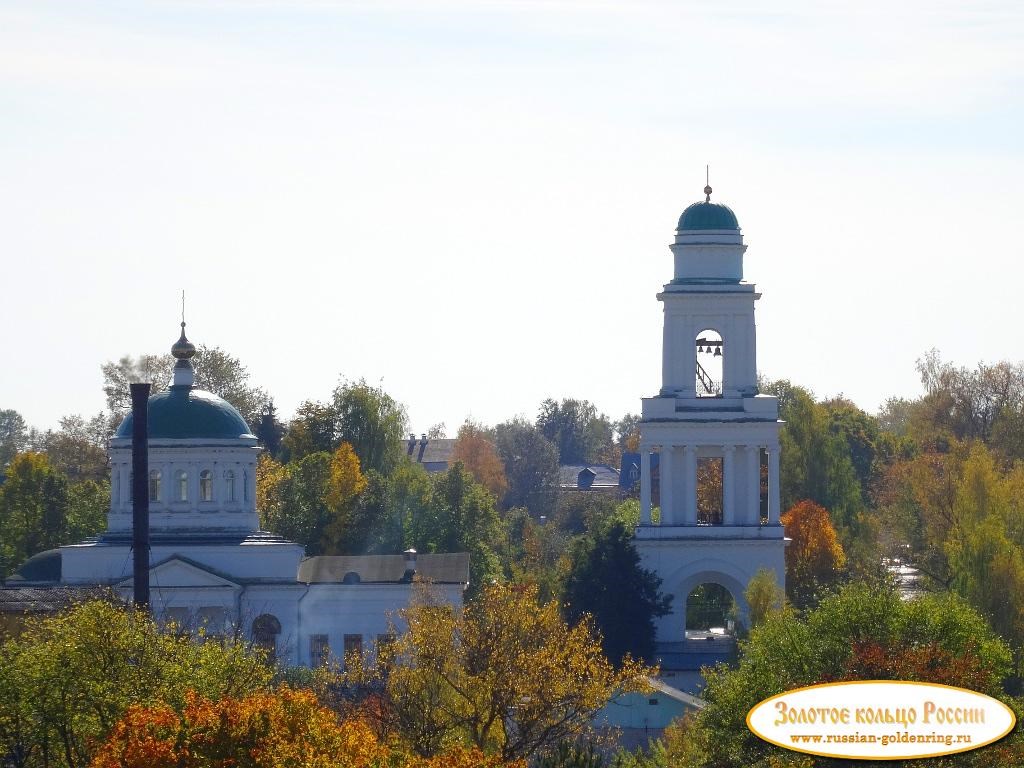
(182,413)
(43,567)
(706,215)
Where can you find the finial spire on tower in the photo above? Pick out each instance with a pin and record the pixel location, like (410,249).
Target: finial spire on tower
(183,351)
(707,183)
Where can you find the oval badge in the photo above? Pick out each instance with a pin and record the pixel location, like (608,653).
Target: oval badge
(881,720)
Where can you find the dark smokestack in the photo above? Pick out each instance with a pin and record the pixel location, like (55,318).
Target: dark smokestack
(140,493)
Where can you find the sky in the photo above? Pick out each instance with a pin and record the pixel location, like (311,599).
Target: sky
(470,203)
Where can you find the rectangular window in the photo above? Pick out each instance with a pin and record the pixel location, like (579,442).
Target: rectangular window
(319,651)
(353,644)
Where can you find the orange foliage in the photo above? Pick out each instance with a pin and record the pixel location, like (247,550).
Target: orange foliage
(285,729)
(480,458)
(815,553)
(926,663)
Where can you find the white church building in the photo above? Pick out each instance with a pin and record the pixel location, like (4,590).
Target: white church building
(212,566)
(713,439)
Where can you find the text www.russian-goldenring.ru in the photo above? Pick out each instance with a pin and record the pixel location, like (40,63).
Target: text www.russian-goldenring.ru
(884,740)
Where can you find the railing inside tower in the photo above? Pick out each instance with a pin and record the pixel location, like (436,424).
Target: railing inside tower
(708,385)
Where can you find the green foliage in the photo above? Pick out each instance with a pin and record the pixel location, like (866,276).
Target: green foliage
(607,581)
(460,516)
(39,510)
(786,652)
(764,596)
(816,456)
(531,467)
(270,431)
(13,435)
(68,679)
(365,417)
(576,429)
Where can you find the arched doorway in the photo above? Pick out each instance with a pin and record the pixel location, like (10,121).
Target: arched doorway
(711,611)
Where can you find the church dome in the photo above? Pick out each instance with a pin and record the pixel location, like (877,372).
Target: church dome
(707,215)
(183,413)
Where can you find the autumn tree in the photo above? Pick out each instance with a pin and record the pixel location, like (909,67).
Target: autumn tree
(814,557)
(507,675)
(862,630)
(480,458)
(343,534)
(67,679)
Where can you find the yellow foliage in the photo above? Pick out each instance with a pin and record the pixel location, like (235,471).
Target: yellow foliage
(347,479)
(507,674)
(814,552)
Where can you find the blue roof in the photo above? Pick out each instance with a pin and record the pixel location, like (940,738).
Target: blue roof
(706,215)
(182,413)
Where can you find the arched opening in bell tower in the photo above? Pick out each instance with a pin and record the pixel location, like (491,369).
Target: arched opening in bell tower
(710,610)
(710,491)
(709,364)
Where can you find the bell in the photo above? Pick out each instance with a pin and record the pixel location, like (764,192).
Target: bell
(718,351)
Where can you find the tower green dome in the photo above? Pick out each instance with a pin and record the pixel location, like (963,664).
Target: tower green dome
(184,413)
(707,215)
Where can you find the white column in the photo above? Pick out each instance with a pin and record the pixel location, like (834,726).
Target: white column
(728,485)
(774,493)
(689,485)
(645,485)
(667,474)
(753,484)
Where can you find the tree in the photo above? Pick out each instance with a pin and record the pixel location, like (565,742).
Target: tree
(372,422)
(864,629)
(285,728)
(460,516)
(13,435)
(480,458)
(816,462)
(216,371)
(298,509)
(67,679)
(607,582)
(313,430)
(576,428)
(343,535)
(531,466)
(33,509)
(270,431)
(507,674)
(79,448)
(814,557)
(764,596)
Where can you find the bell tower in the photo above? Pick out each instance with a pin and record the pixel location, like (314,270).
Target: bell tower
(709,443)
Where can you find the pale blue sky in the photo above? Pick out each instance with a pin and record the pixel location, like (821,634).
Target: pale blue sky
(472,201)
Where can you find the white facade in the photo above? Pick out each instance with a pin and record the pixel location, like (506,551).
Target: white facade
(211,566)
(721,424)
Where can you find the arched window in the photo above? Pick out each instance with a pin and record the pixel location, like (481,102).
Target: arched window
(229,481)
(206,485)
(709,351)
(182,478)
(154,485)
(265,629)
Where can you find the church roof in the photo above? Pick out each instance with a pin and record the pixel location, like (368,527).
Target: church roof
(707,215)
(448,568)
(183,412)
(41,568)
